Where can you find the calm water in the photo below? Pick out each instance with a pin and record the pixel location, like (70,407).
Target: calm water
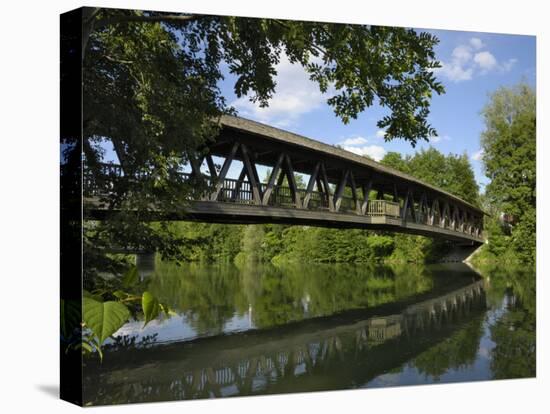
(260,329)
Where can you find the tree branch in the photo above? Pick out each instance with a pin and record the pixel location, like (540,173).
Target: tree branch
(89,23)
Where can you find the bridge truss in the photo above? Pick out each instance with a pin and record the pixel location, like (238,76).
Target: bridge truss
(343,190)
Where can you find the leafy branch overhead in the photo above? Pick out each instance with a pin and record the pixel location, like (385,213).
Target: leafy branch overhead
(178,58)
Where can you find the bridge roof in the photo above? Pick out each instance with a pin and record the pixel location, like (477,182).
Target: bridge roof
(286,137)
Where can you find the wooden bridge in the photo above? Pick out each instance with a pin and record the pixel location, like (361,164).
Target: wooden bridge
(287,362)
(343,190)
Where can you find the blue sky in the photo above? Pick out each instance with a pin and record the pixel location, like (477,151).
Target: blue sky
(474,65)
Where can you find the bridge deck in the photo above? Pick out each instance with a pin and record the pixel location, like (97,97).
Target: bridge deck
(250,214)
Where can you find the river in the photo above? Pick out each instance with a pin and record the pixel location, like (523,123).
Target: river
(260,329)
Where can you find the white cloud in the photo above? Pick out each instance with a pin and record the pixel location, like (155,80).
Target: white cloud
(478,155)
(508,65)
(353,141)
(295,95)
(462,54)
(468,60)
(376,152)
(357,145)
(476,43)
(485,60)
(435,139)
(455,71)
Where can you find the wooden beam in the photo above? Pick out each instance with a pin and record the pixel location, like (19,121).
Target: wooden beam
(366,191)
(311,183)
(434,209)
(223,172)
(445,214)
(274,175)
(287,167)
(405,206)
(253,158)
(320,190)
(282,176)
(326,186)
(454,216)
(411,206)
(422,207)
(211,166)
(252,175)
(121,155)
(239,183)
(340,190)
(354,193)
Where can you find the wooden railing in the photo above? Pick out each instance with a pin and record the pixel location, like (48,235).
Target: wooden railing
(383,208)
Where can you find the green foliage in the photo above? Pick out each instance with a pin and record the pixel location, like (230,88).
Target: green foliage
(151,307)
(513,332)
(454,352)
(110,304)
(208,242)
(396,160)
(509,144)
(381,246)
(251,243)
(130,278)
(415,249)
(103,318)
(509,158)
(322,245)
(452,172)
(524,239)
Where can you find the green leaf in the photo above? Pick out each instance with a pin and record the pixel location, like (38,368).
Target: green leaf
(151,307)
(120,294)
(86,347)
(131,277)
(104,318)
(164,308)
(89,295)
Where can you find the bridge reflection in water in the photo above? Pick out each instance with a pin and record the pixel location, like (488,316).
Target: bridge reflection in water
(339,352)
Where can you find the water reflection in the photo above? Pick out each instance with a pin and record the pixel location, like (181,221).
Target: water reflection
(315,328)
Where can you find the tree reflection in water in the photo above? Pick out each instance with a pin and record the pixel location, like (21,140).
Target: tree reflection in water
(322,328)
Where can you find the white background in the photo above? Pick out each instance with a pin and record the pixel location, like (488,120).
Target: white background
(29,193)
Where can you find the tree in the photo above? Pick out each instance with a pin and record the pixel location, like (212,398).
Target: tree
(452,173)
(509,159)
(151,87)
(395,160)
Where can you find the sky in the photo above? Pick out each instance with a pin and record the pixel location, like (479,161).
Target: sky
(473,66)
